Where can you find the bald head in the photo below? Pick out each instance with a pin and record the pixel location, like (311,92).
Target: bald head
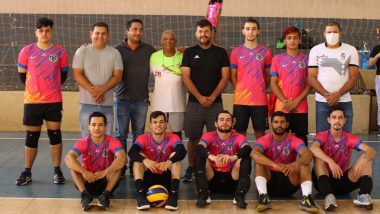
(168,40)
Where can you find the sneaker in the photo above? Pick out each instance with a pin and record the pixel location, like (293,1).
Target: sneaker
(59,178)
(308,204)
(264,203)
(189,175)
(86,200)
(330,202)
(203,199)
(172,201)
(25,178)
(363,199)
(104,200)
(240,200)
(142,202)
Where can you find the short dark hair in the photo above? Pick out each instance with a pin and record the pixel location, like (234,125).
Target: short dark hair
(156,114)
(223,112)
(251,20)
(44,22)
(279,114)
(100,24)
(203,23)
(334,23)
(129,23)
(336,108)
(289,30)
(213,1)
(97,114)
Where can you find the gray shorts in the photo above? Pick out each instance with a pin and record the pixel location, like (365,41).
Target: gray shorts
(196,116)
(175,121)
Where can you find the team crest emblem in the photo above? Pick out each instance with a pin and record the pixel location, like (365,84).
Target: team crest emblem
(104,153)
(53,58)
(343,55)
(285,151)
(302,65)
(229,146)
(259,57)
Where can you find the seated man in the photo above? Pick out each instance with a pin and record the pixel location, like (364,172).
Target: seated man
(275,157)
(332,151)
(222,162)
(156,158)
(103,158)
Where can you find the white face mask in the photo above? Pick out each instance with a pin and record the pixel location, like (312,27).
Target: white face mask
(332,38)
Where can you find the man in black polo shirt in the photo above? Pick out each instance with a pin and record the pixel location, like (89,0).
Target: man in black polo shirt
(131,103)
(375,59)
(205,73)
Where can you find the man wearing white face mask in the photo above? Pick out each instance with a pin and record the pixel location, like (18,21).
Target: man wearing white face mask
(333,71)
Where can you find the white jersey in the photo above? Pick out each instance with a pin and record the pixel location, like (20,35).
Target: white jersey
(333,65)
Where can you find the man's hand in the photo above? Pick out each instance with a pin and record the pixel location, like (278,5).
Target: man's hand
(224,159)
(359,168)
(335,170)
(164,166)
(89,176)
(101,174)
(100,100)
(332,98)
(151,165)
(290,105)
(204,101)
(215,159)
(290,168)
(97,91)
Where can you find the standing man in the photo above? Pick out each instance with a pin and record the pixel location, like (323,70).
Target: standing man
(43,68)
(169,93)
(205,73)
(132,97)
(278,171)
(103,157)
(332,172)
(288,81)
(374,59)
(250,65)
(157,159)
(97,68)
(333,71)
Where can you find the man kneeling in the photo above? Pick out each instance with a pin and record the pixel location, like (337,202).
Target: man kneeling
(275,157)
(156,158)
(222,163)
(103,158)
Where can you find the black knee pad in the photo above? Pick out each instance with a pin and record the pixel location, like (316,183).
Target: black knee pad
(244,182)
(32,138)
(55,136)
(201,182)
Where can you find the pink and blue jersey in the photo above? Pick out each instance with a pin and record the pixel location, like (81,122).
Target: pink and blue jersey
(157,151)
(292,78)
(284,152)
(229,146)
(43,73)
(251,87)
(97,157)
(339,151)
(212,12)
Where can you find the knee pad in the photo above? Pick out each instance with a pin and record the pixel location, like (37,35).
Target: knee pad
(245,167)
(32,138)
(201,182)
(55,136)
(244,182)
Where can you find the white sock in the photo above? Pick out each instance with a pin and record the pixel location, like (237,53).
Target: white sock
(306,187)
(261,184)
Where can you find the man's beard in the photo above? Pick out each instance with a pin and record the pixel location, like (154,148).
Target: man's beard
(228,130)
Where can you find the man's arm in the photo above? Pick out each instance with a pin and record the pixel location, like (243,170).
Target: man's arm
(221,85)
(81,79)
(112,82)
(22,74)
(259,158)
(315,148)
(276,89)
(353,73)
(117,164)
(374,56)
(186,72)
(73,164)
(369,152)
(234,74)
(314,82)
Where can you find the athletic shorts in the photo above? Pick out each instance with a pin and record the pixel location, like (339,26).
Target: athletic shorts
(163,179)
(298,124)
(257,114)
(175,121)
(196,116)
(222,182)
(280,185)
(338,186)
(34,114)
(97,187)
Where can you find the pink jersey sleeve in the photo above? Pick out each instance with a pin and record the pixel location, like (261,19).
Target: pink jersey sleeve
(174,141)
(22,61)
(263,142)
(64,61)
(274,67)
(241,141)
(233,58)
(80,146)
(207,138)
(115,144)
(353,141)
(142,141)
(319,137)
(268,59)
(297,144)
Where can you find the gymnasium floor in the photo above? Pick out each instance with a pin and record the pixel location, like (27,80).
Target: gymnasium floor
(42,196)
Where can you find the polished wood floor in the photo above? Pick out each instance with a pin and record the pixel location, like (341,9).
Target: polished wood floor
(72,206)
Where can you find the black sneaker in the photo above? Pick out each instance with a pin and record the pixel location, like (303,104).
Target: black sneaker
(104,200)
(25,178)
(189,175)
(203,199)
(264,203)
(86,200)
(239,200)
(172,201)
(308,204)
(142,202)
(59,178)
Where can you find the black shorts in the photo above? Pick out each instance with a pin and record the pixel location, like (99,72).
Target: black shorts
(222,182)
(338,186)
(96,188)
(34,114)
(298,124)
(163,179)
(258,115)
(280,185)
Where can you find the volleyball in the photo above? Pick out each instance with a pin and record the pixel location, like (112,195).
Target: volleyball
(157,195)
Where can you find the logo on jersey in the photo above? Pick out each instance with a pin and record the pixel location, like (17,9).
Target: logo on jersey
(196,57)
(53,58)
(302,65)
(343,56)
(286,151)
(105,153)
(259,57)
